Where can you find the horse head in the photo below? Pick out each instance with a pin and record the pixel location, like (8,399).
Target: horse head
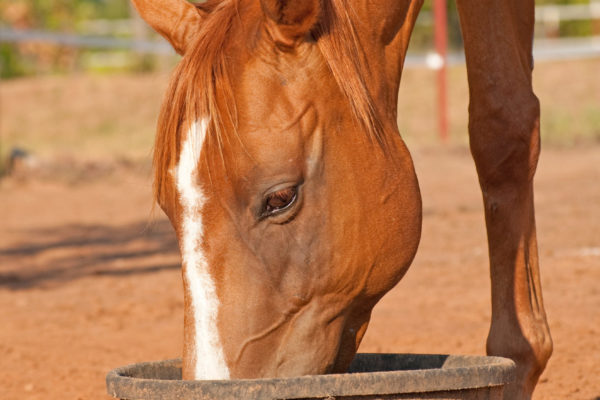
(279,164)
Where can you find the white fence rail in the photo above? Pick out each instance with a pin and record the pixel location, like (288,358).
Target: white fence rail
(84,41)
(567,12)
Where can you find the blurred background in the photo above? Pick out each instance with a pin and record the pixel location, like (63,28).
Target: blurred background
(90,277)
(84,78)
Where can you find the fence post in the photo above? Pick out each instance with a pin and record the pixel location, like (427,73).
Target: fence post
(441,49)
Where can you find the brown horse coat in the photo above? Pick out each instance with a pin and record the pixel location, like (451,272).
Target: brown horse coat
(293,196)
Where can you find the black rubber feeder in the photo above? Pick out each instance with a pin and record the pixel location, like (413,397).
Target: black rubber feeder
(371,376)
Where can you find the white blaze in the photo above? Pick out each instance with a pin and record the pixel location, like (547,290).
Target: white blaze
(209,361)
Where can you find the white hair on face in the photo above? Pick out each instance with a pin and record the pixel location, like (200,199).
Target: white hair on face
(208,358)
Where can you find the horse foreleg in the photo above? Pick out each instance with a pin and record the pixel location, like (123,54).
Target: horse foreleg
(504,138)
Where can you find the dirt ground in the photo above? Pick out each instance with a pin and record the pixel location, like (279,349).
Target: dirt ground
(90,280)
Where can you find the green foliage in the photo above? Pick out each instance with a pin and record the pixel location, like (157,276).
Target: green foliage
(62,15)
(576,28)
(422,37)
(548,2)
(11,65)
(3,162)
(66,16)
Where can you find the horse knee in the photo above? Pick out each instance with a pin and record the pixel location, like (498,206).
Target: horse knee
(505,139)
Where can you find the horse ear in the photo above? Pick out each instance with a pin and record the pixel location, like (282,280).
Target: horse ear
(175,20)
(288,21)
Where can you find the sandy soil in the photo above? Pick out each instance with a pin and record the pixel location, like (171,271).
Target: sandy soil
(90,281)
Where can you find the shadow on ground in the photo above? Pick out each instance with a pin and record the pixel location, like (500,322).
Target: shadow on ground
(61,254)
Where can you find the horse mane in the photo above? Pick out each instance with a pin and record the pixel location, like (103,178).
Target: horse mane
(192,91)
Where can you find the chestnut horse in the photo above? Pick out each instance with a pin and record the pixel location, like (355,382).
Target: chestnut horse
(279,163)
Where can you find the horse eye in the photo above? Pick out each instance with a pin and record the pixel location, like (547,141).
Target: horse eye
(279,200)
